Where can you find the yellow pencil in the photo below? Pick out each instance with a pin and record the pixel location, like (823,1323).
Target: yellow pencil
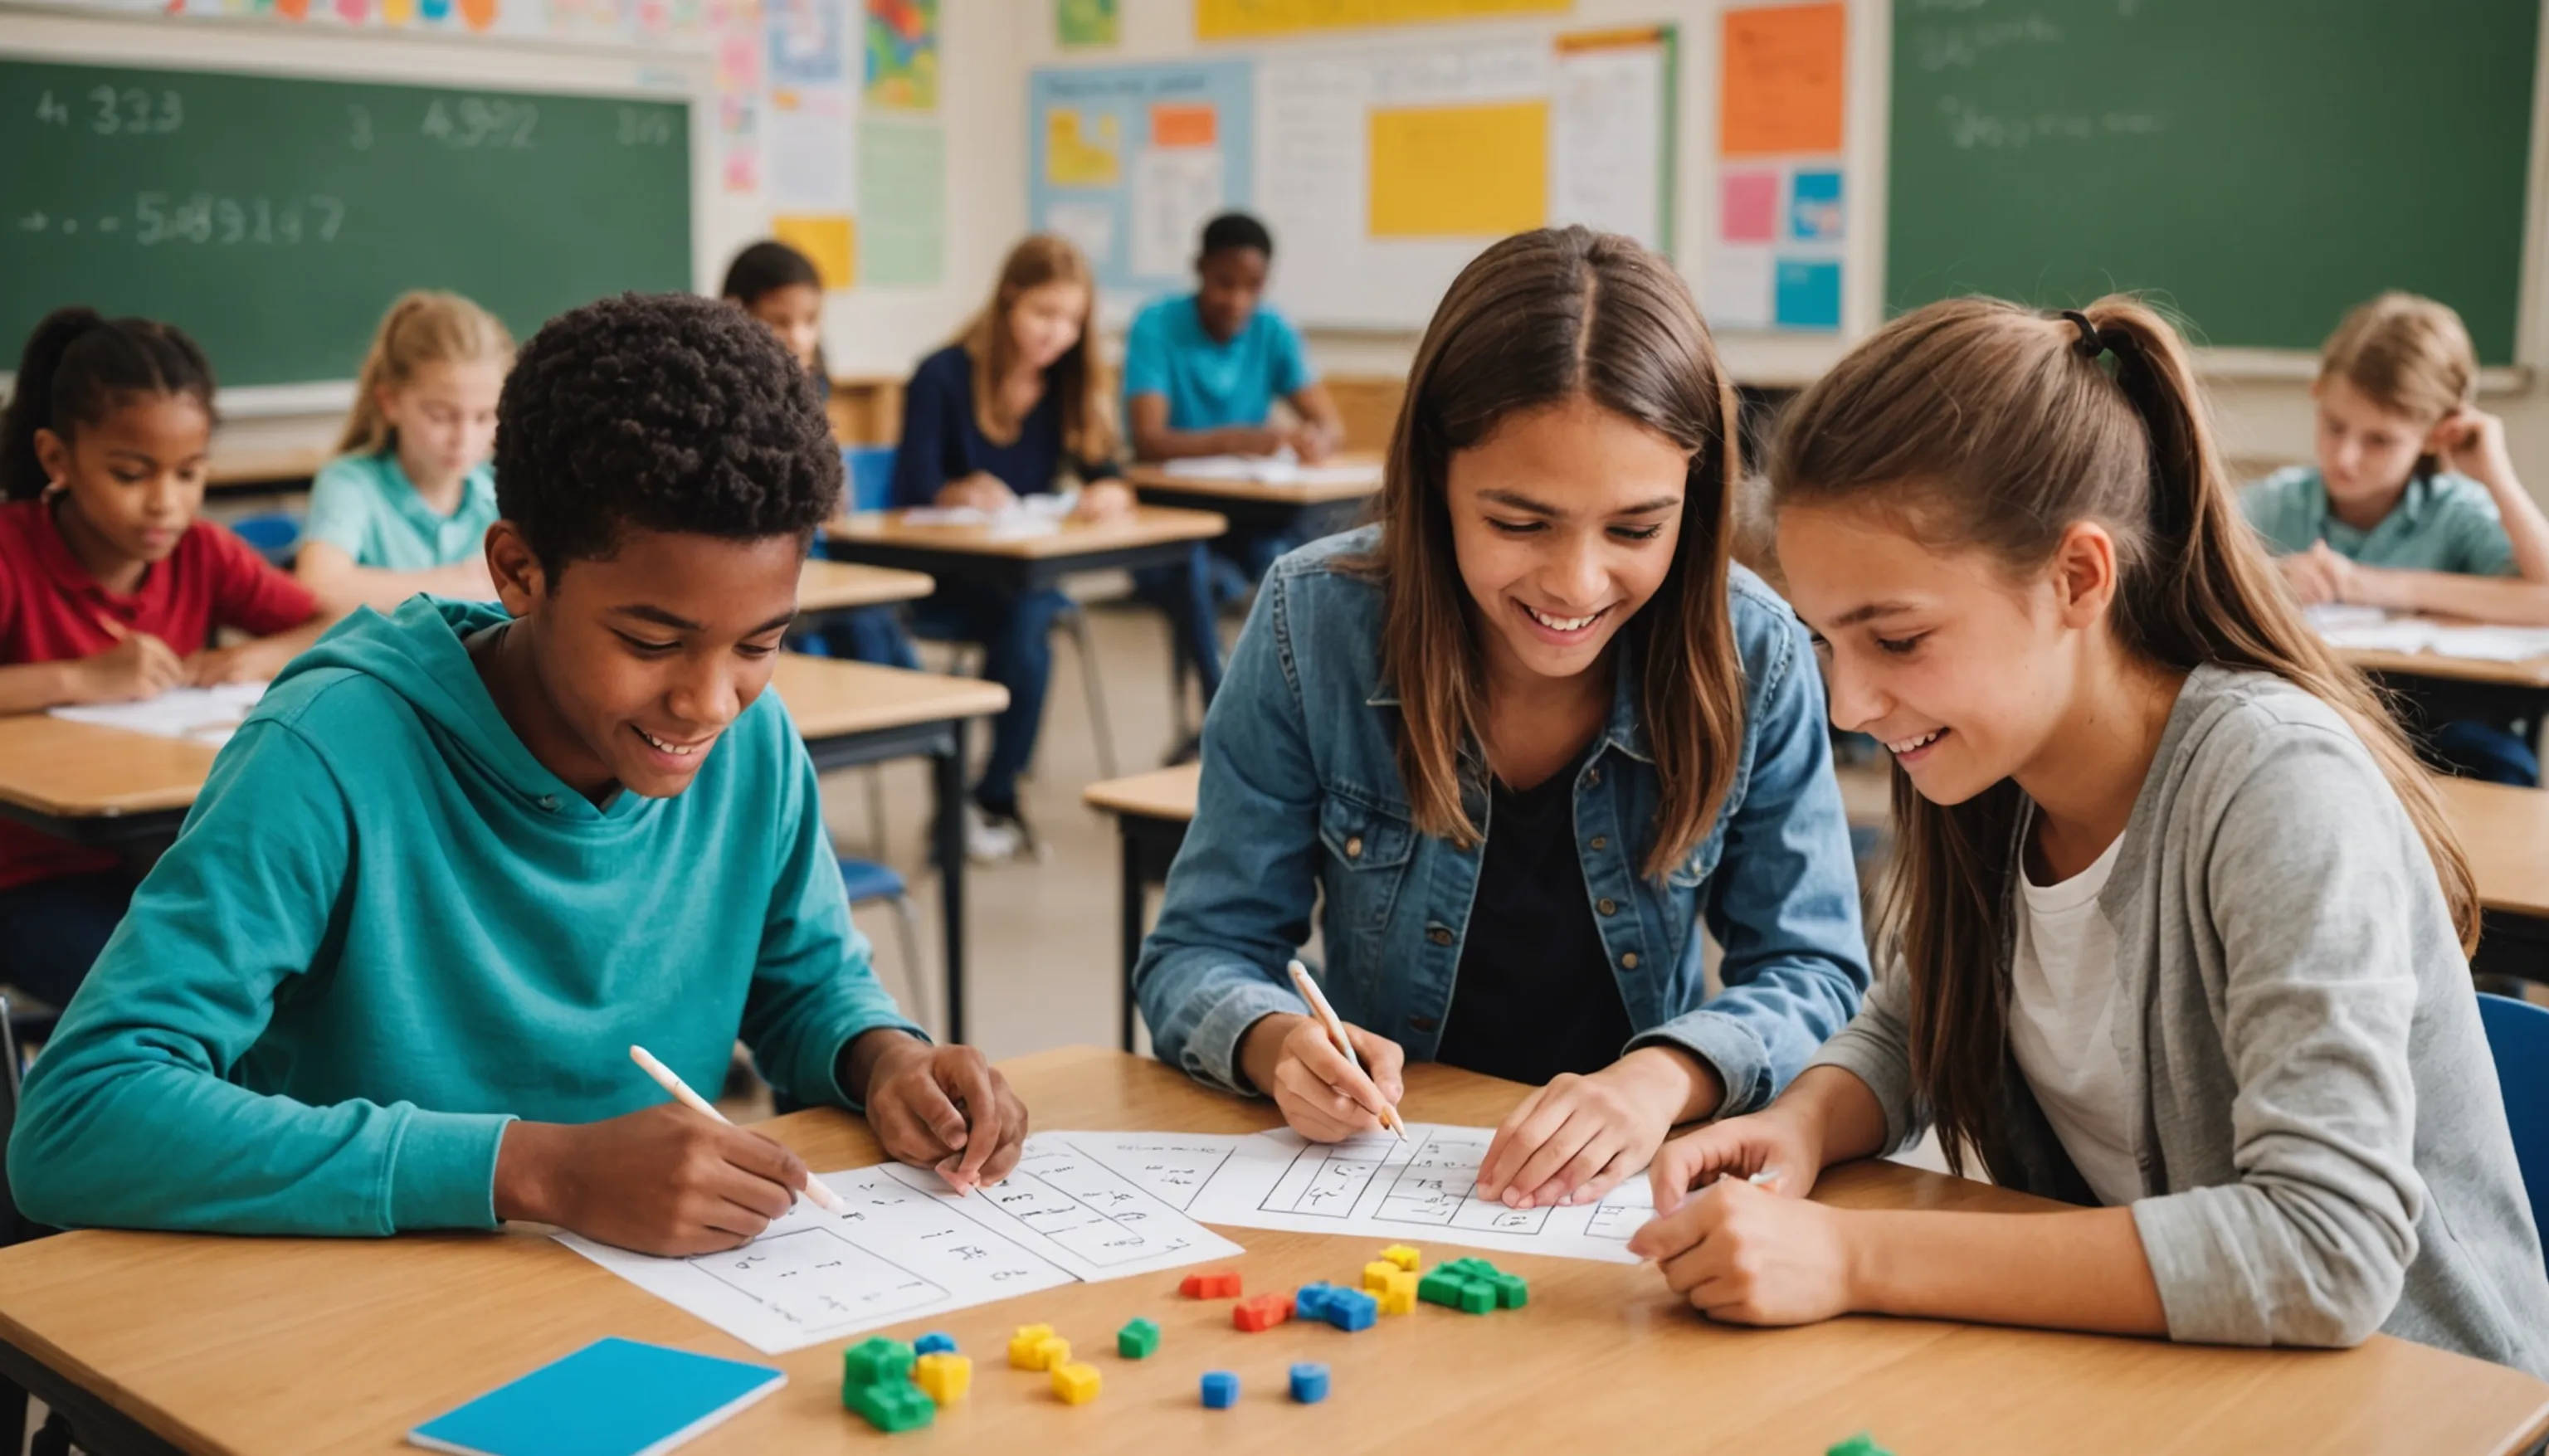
(824,1198)
(1327,1015)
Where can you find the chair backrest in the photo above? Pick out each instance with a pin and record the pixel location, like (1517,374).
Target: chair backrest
(2517,1033)
(275,535)
(12,1227)
(871,471)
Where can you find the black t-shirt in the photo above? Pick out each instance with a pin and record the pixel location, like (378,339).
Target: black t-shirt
(1533,995)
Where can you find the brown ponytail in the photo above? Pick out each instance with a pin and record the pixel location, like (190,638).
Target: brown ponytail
(1988,426)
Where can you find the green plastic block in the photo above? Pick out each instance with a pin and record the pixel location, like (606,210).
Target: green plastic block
(891,1405)
(1473,1268)
(1478,1297)
(872,1361)
(1860,1444)
(1442,1286)
(1511,1292)
(1138,1340)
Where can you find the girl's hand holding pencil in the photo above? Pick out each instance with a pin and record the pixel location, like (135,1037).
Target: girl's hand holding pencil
(1332,1080)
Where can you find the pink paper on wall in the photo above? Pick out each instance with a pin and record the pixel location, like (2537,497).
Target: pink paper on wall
(1747,207)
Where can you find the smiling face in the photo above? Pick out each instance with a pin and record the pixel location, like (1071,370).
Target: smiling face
(134,480)
(1566,520)
(444,416)
(1961,669)
(631,665)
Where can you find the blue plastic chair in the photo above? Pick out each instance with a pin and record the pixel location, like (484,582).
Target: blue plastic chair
(276,536)
(871,472)
(2517,1032)
(867,881)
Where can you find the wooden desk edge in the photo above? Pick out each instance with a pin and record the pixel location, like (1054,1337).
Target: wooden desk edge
(1162,793)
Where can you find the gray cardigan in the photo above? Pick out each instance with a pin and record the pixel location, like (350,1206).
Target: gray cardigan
(2322,1143)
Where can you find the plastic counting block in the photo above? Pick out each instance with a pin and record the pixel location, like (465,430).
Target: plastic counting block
(1210,1284)
(1375,1276)
(1351,1310)
(1478,1297)
(1511,1292)
(1442,1286)
(1050,1351)
(1138,1340)
(1264,1312)
(1309,1383)
(1220,1390)
(1399,1295)
(891,1405)
(1075,1382)
(873,1360)
(944,1375)
(1022,1345)
(1860,1444)
(935,1343)
(1403,1256)
(1310,1302)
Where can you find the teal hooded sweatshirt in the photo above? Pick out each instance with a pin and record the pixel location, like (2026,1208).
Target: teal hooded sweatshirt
(386,931)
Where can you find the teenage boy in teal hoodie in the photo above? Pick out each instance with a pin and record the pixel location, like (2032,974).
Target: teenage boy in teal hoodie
(462,857)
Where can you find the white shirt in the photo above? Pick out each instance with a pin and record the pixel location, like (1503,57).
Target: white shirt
(2061,1026)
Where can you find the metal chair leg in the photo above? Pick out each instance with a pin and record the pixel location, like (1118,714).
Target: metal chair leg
(876,812)
(1076,623)
(915,971)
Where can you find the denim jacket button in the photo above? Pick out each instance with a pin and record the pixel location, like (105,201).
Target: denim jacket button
(1440,935)
(1607,905)
(1593,779)
(1354,847)
(1601,842)
(1629,962)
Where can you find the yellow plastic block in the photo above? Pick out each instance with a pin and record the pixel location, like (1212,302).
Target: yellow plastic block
(1398,1296)
(946,1377)
(1075,1382)
(1403,1256)
(1375,1276)
(1022,1345)
(1050,1353)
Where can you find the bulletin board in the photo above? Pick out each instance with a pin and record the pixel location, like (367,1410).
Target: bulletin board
(1130,161)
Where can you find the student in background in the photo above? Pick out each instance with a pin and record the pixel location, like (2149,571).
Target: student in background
(1526,737)
(779,286)
(404,505)
(2181,923)
(1005,411)
(111,587)
(463,856)
(1202,373)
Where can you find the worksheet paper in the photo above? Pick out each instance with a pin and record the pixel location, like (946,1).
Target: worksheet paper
(206,715)
(909,1247)
(1415,1191)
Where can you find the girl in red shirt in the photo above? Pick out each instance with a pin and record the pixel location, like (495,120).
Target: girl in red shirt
(111,587)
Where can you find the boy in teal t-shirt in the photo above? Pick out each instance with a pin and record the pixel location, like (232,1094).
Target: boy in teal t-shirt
(461,858)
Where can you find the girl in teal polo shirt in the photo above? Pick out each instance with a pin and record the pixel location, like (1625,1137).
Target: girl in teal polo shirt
(406,505)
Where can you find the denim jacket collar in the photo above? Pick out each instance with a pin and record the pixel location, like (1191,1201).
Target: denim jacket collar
(1626,730)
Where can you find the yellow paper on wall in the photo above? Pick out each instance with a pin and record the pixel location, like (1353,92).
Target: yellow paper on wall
(1082,156)
(1459,171)
(829,242)
(1239,20)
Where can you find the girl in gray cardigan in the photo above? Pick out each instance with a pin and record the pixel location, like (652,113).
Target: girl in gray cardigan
(2176,932)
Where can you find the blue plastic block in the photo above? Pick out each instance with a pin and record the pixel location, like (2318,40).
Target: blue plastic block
(1351,1310)
(1311,1302)
(935,1343)
(1220,1390)
(1309,1383)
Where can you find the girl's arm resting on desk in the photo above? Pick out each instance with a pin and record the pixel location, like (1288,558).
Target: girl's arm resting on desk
(2508,601)
(140,666)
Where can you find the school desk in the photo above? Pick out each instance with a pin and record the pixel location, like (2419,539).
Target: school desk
(974,553)
(1152,811)
(1305,510)
(828,587)
(276,468)
(159,1342)
(2442,688)
(2505,831)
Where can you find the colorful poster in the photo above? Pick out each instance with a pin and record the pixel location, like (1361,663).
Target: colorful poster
(805,42)
(1781,90)
(1249,20)
(830,242)
(1128,162)
(903,55)
(903,238)
(1459,171)
(1082,24)
(1776,257)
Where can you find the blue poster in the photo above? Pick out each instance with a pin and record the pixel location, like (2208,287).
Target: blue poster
(1807,294)
(1813,205)
(1128,162)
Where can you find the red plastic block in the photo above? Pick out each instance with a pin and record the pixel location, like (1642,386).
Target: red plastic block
(1264,1312)
(1212,1284)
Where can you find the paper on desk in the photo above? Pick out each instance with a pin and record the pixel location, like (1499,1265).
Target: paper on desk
(206,715)
(909,1247)
(2369,629)
(1280,469)
(1374,1186)
(1039,514)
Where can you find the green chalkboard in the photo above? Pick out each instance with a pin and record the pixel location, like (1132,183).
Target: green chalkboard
(2261,164)
(274,218)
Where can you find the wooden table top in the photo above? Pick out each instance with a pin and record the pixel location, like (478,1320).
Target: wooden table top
(833,586)
(258,464)
(1288,493)
(1143,525)
(1162,793)
(79,771)
(2506,832)
(222,1343)
(2532,673)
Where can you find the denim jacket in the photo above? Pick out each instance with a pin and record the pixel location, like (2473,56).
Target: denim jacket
(1302,795)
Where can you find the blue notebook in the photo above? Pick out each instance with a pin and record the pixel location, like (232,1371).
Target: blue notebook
(612,1398)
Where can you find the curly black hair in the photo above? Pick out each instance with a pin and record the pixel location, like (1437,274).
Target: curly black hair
(664,411)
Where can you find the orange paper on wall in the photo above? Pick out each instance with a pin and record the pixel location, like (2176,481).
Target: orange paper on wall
(830,243)
(1783,75)
(1183,123)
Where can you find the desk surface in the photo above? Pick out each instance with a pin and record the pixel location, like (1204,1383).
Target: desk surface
(1162,793)
(834,586)
(1143,525)
(252,465)
(1292,492)
(2533,672)
(74,771)
(295,1345)
(2506,833)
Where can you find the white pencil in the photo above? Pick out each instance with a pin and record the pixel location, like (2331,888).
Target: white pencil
(824,1198)
(1327,1015)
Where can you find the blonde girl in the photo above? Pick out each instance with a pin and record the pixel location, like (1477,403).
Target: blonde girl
(406,505)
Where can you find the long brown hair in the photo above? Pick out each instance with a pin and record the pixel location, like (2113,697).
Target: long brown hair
(1088,429)
(1980,424)
(2408,354)
(1535,320)
(421,327)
